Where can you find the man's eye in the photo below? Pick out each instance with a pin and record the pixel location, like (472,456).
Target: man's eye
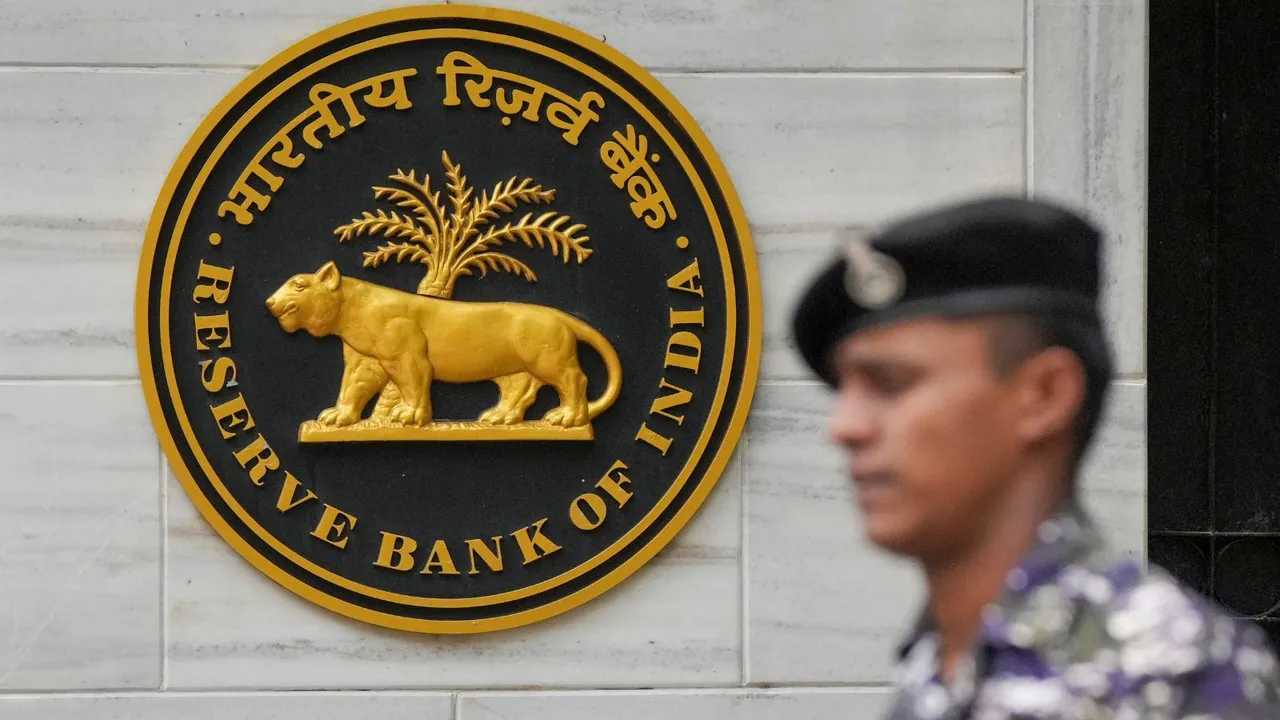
(893,383)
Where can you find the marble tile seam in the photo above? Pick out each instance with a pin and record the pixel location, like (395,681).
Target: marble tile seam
(459,695)
(17,66)
(1029,100)
(744,578)
(797,688)
(164,569)
(83,694)
(38,380)
(460,692)
(941,71)
(853,71)
(1135,378)
(481,687)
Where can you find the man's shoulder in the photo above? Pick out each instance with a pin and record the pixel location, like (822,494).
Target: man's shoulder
(1165,625)
(1137,606)
(1153,635)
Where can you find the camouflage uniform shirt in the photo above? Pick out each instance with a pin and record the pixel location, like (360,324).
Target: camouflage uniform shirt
(1079,634)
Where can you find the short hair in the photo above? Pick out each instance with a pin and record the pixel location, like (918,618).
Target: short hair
(1018,337)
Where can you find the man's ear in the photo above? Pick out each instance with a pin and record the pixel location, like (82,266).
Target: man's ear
(329,276)
(1051,393)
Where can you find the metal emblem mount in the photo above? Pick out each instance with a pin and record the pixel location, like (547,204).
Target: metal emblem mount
(873,280)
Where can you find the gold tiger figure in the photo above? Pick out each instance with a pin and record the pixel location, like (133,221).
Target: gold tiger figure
(397,343)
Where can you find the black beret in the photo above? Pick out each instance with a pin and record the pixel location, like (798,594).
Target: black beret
(993,255)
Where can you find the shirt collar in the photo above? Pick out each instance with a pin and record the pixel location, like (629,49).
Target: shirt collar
(1034,609)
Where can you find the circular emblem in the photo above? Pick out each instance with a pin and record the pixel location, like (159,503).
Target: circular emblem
(448,318)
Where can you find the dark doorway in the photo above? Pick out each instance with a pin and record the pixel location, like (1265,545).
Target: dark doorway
(1214,300)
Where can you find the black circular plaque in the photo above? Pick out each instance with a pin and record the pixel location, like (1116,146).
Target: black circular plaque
(448,318)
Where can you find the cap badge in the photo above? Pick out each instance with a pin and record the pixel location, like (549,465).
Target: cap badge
(873,279)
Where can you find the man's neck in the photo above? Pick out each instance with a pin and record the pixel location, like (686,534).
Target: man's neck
(964,582)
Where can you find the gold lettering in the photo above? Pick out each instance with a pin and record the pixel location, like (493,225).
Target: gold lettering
(567,113)
(459,63)
(262,457)
(686,317)
(531,544)
(579,517)
(216,328)
(626,155)
(222,367)
(252,197)
(322,96)
(332,526)
(396,552)
(574,116)
(280,147)
(289,499)
(661,442)
(684,339)
(219,288)
(666,402)
(492,558)
(530,101)
(687,279)
(398,97)
(439,559)
(284,155)
(237,411)
(614,487)
(650,200)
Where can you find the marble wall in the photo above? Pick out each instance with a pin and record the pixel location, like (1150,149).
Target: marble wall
(117,600)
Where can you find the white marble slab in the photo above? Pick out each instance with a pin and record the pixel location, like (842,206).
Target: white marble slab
(1089,140)
(82,156)
(806,153)
(677,621)
(788,261)
(823,604)
(855,149)
(703,34)
(93,146)
(789,704)
(79,538)
(1113,477)
(66,298)
(261,706)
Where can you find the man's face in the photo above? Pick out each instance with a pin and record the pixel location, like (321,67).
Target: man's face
(929,430)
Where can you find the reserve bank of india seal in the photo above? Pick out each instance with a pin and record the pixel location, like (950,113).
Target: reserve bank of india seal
(448,318)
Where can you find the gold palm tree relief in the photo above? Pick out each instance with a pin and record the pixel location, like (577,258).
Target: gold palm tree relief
(455,244)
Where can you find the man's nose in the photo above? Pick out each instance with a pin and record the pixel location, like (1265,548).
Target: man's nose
(852,421)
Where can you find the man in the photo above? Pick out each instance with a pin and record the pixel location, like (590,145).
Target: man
(970,366)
